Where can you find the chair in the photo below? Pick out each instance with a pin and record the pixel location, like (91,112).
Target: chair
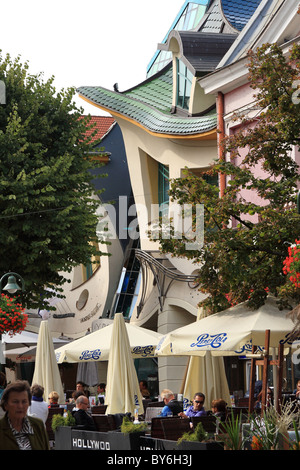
(243,402)
(104,423)
(174,428)
(209,423)
(51,413)
(98,409)
(156,428)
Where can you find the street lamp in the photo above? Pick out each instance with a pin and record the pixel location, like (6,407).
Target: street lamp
(12,285)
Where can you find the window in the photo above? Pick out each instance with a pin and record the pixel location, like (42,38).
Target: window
(163,189)
(184,85)
(187,19)
(206,174)
(89,269)
(191,17)
(129,285)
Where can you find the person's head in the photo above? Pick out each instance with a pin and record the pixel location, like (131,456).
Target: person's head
(143,385)
(218,406)
(167,395)
(101,388)
(16,399)
(37,391)
(298,385)
(77,394)
(82,402)
(53,398)
(198,401)
(80,386)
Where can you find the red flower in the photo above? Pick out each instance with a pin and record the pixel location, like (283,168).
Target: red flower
(12,317)
(291,265)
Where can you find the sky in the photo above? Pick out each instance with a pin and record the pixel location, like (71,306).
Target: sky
(87,42)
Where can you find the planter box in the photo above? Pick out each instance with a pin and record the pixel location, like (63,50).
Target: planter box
(68,438)
(152,443)
(63,438)
(125,441)
(190,445)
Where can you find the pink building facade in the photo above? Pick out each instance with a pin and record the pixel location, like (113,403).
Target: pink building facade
(273,22)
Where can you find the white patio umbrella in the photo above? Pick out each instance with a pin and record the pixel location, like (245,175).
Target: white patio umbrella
(122,391)
(207,375)
(230,332)
(46,372)
(96,345)
(22,346)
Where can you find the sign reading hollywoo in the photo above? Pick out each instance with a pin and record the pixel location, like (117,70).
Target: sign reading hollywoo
(89,444)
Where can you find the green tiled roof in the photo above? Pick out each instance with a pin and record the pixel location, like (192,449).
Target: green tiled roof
(156,92)
(149,105)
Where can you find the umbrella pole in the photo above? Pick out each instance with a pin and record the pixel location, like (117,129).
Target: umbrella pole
(280,377)
(252,381)
(265,371)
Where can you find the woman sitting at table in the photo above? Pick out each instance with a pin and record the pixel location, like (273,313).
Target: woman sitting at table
(219,409)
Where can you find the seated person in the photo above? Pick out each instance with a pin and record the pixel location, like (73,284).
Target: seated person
(297,390)
(101,393)
(197,408)
(172,407)
(82,387)
(53,400)
(219,409)
(81,415)
(258,403)
(75,395)
(144,389)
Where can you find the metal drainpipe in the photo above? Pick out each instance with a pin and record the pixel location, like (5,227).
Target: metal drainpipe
(221,135)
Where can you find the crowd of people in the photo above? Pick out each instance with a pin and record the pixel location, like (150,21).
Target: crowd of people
(25,411)
(173,407)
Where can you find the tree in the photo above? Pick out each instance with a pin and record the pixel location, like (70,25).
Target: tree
(247,240)
(47,204)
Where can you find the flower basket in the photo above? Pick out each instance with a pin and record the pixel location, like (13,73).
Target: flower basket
(291,265)
(12,317)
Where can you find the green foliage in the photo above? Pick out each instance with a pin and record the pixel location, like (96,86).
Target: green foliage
(296,445)
(270,431)
(128,426)
(198,435)
(48,213)
(247,231)
(231,431)
(59,420)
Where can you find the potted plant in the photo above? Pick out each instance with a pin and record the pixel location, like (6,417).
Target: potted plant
(12,317)
(129,437)
(198,440)
(231,434)
(270,431)
(62,427)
